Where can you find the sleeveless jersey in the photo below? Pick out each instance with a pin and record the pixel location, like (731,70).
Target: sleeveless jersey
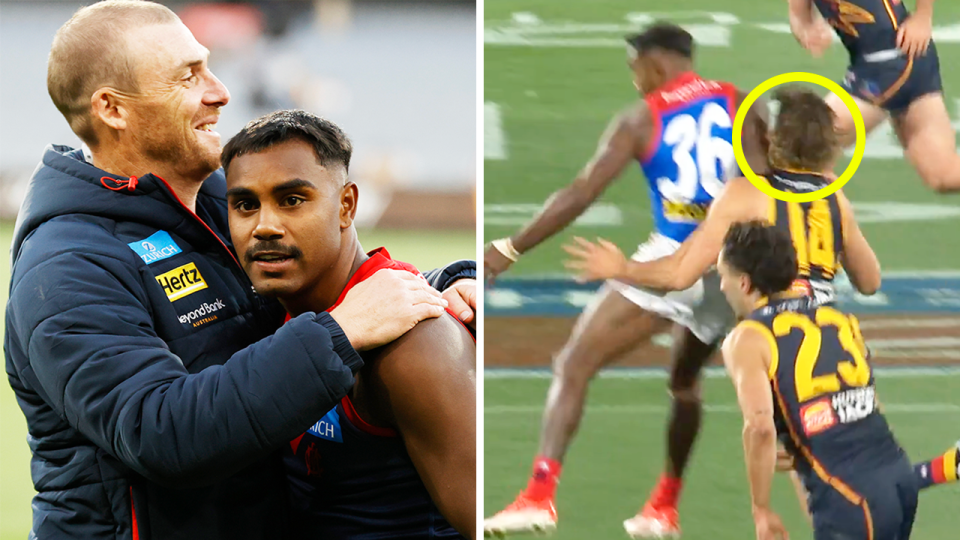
(691,151)
(825,403)
(864,26)
(816,229)
(349,479)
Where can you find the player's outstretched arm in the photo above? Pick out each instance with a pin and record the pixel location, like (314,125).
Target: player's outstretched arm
(738,201)
(749,356)
(625,138)
(428,382)
(858,258)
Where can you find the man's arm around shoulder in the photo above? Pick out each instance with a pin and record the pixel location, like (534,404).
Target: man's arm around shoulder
(82,336)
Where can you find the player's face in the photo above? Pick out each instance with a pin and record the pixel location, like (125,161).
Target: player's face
(178,103)
(287,215)
(735,286)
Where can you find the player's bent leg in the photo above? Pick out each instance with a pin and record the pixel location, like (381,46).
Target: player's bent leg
(612,327)
(942,469)
(873,116)
(930,143)
(690,354)
(608,328)
(659,517)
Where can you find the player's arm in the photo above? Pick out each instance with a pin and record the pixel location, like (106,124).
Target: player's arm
(858,258)
(748,355)
(738,201)
(808,27)
(625,138)
(754,135)
(429,384)
(801,17)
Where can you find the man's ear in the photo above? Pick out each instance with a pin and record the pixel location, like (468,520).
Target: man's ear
(110,107)
(348,204)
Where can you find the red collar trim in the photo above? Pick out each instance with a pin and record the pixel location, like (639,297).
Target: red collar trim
(678,81)
(379,259)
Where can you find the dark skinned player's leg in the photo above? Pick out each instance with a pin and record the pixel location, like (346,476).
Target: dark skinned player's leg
(610,327)
(689,355)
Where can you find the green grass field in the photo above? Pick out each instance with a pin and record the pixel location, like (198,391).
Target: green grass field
(618,454)
(547,104)
(426,250)
(555,74)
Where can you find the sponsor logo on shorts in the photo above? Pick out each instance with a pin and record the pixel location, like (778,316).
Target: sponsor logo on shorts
(817,417)
(156,247)
(681,211)
(855,404)
(181,281)
(328,427)
(203,314)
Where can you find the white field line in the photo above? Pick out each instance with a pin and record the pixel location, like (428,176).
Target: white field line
(906,322)
(919,274)
(914,343)
(712,372)
(888,408)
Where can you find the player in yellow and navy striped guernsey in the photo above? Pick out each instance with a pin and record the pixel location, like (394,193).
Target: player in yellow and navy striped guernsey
(894,73)
(802,374)
(803,149)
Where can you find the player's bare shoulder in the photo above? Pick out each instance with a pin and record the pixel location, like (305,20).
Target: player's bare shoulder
(734,340)
(440,348)
(634,123)
(445,338)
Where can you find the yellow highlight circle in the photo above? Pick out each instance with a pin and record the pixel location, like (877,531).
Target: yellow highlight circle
(799,76)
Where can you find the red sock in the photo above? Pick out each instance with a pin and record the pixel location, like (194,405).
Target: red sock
(544,479)
(667,492)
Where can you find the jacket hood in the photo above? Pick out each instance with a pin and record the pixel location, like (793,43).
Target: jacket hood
(64,184)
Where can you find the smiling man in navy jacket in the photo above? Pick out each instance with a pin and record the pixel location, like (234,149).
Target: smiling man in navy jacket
(156,399)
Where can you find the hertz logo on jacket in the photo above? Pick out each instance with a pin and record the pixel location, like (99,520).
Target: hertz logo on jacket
(181,281)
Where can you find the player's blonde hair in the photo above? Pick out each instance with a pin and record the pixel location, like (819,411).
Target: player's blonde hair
(88,53)
(804,136)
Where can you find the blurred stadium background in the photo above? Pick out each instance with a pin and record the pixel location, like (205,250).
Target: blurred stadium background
(399,77)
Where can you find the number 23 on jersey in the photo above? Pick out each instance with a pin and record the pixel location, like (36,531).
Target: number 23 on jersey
(854,372)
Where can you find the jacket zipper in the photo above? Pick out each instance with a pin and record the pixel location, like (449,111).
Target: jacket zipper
(133,517)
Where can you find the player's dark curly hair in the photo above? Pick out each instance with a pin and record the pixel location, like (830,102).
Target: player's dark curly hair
(804,137)
(762,252)
(329,142)
(665,36)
